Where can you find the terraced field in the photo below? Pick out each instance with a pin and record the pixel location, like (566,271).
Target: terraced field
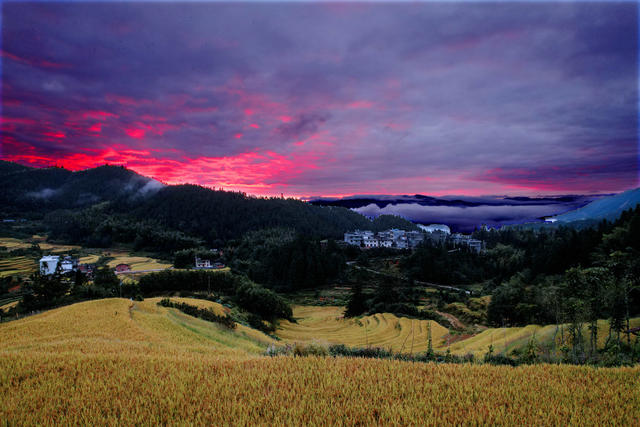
(11,243)
(327,324)
(137,263)
(8,303)
(89,259)
(113,324)
(109,362)
(17,266)
(508,339)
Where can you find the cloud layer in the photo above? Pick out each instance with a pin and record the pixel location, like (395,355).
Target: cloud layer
(329,99)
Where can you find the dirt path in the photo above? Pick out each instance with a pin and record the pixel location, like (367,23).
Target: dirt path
(429,285)
(455,322)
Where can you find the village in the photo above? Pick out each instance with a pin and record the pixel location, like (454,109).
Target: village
(438,234)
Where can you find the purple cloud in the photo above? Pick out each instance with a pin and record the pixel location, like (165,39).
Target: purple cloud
(333,99)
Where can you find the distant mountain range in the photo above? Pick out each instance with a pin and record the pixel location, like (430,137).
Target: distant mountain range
(213,215)
(608,208)
(463,213)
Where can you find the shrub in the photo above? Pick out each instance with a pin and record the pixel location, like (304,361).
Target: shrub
(205,314)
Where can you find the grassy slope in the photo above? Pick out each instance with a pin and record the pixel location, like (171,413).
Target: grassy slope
(94,363)
(106,326)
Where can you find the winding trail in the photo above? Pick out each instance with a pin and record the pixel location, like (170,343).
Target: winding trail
(426,284)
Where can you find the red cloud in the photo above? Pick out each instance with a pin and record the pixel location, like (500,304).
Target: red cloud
(54,134)
(98,115)
(360,105)
(254,172)
(41,63)
(135,133)
(126,100)
(97,127)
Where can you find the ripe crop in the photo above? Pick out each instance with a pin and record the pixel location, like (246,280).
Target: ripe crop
(115,362)
(380,330)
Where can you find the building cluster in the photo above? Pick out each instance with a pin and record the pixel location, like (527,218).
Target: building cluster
(458,240)
(67,264)
(394,238)
(401,239)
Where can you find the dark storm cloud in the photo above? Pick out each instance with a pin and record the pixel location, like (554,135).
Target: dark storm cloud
(329,98)
(302,125)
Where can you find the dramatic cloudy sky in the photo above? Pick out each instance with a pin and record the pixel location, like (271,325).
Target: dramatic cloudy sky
(329,99)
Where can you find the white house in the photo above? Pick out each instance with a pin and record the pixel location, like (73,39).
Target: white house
(371,242)
(354,238)
(49,264)
(203,263)
(414,238)
(385,243)
(476,245)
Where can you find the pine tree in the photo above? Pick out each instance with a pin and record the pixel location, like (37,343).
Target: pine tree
(357,303)
(430,353)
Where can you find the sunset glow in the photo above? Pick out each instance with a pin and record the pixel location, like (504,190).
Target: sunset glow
(530,99)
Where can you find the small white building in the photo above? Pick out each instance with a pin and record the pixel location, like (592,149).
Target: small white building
(414,238)
(476,245)
(371,242)
(49,264)
(354,238)
(203,263)
(459,238)
(385,243)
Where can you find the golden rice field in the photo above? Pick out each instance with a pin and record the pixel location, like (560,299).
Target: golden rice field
(327,324)
(508,339)
(137,263)
(101,362)
(89,259)
(17,266)
(8,306)
(11,243)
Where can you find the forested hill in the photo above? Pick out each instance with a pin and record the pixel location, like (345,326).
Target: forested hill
(107,203)
(227,215)
(43,189)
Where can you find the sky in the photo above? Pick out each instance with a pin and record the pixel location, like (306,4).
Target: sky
(329,99)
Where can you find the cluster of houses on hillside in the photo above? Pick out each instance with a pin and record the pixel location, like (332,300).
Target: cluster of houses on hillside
(401,239)
(394,238)
(67,264)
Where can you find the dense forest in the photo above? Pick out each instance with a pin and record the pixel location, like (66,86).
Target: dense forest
(544,276)
(111,204)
